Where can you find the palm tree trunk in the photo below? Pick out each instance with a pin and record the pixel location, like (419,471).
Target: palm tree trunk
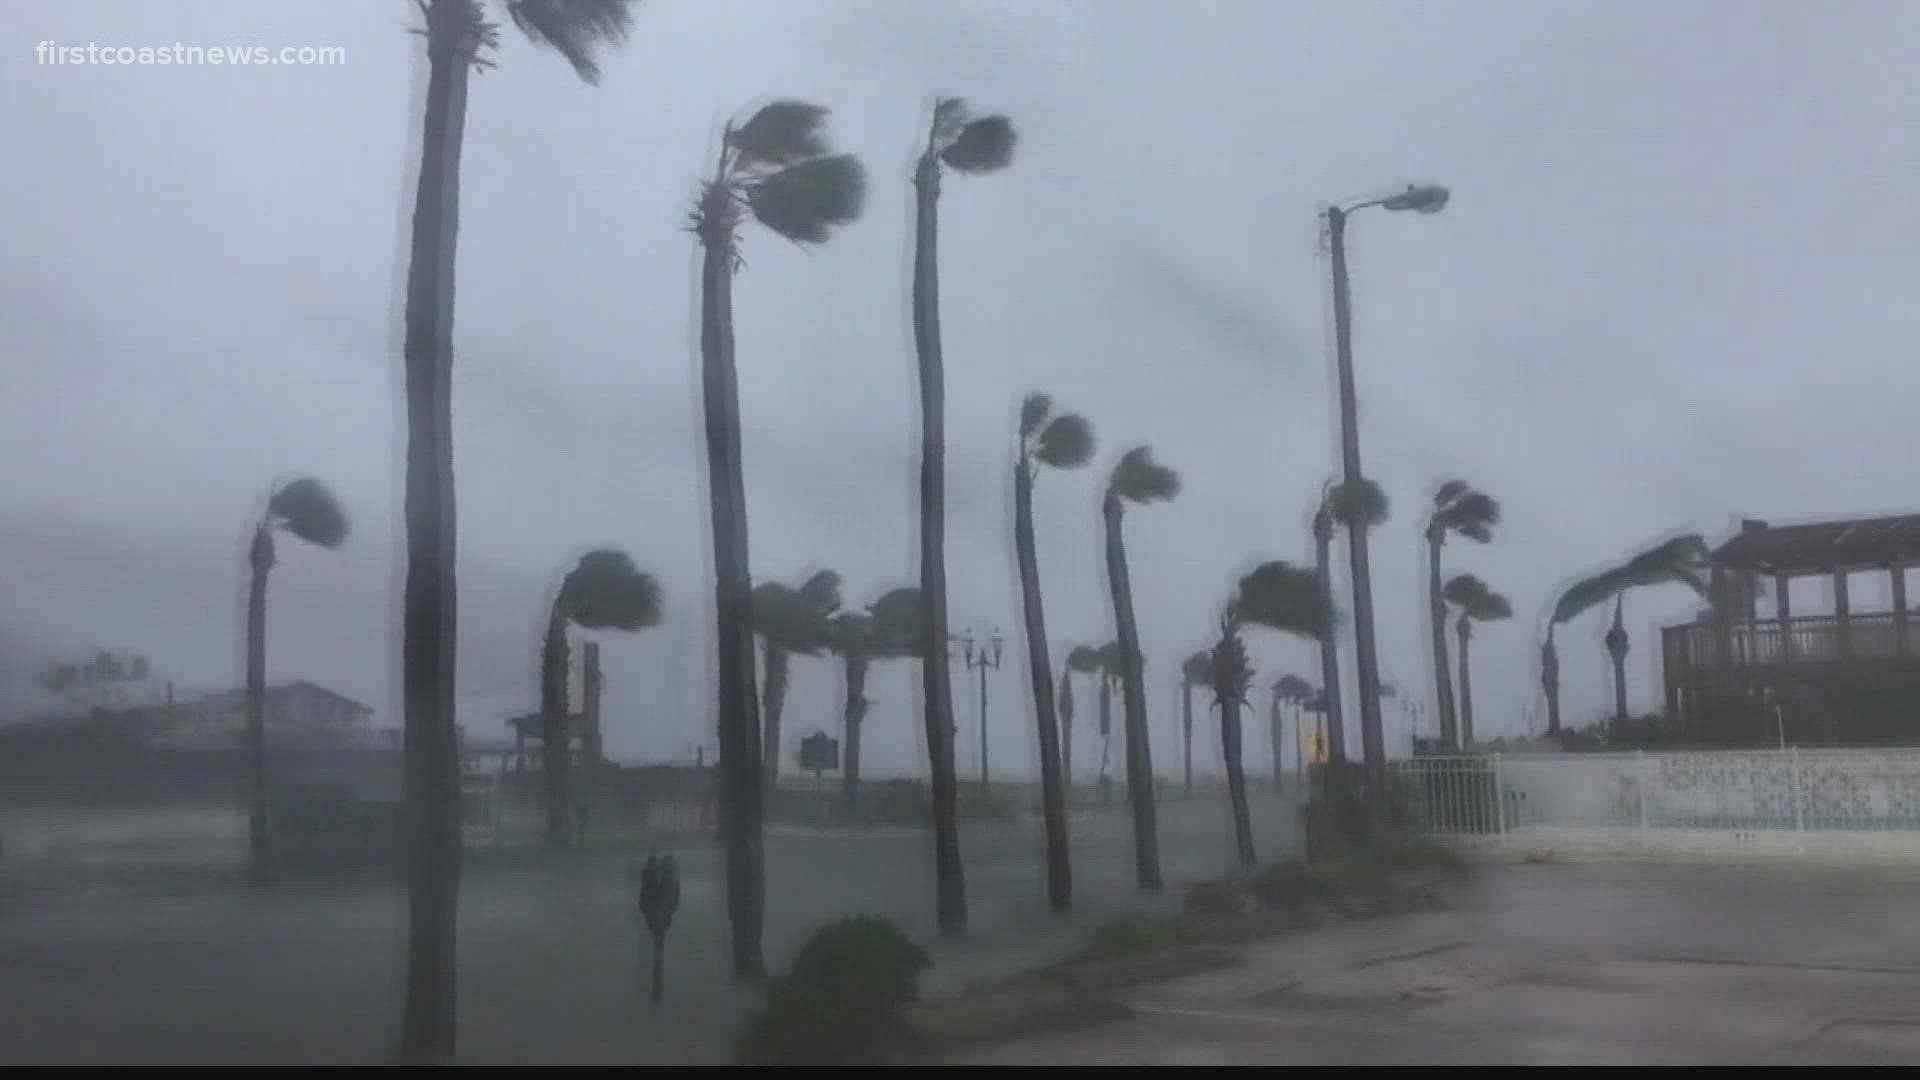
(1053,804)
(1550,681)
(773,703)
(936,679)
(1236,780)
(1466,683)
(854,716)
(260,557)
(1276,736)
(1066,734)
(1186,731)
(741,779)
(1106,730)
(556,741)
(1443,681)
(1146,830)
(1330,656)
(428,623)
(1617,645)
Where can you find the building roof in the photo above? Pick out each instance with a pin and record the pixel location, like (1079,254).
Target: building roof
(241,694)
(1822,546)
(531,723)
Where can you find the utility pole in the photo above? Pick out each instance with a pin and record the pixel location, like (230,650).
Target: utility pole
(983,658)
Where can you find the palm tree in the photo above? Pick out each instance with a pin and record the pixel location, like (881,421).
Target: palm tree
(1457,508)
(789,620)
(1341,504)
(1066,732)
(1063,441)
(1194,671)
(459,39)
(1288,690)
(1683,560)
(1277,596)
(603,591)
(1476,603)
(1081,660)
(888,629)
(775,169)
(968,145)
(1138,479)
(304,509)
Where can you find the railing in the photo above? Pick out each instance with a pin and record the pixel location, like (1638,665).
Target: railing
(1804,639)
(1786,801)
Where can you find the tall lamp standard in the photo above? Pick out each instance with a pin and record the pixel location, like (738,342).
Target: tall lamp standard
(1425,199)
(983,657)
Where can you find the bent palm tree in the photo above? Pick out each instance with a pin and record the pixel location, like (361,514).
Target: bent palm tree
(888,629)
(1457,509)
(304,509)
(458,37)
(1358,504)
(1063,441)
(968,145)
(775,169)
(603,591)
(1682,560)
(1138,479)
(1194,672)
(1277,596)
(788,621)
(1476,603)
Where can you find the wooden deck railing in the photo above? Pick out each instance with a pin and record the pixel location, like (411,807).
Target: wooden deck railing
(1807,639)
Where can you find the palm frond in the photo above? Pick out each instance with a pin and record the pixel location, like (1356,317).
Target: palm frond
(1138,478)
(1360,501)
(305,508)
(1034,411)
(1682,560)
(899,622)
(1294,688)
(949,116)
(1475,599)
(1463,590)
(1083,659)
(1450,491)
(1066,443)
(605,591)
(1280,596)
(1195,668)
(807,200)
(781,133)
(1230,673)
(982,146)
(786,617)
(1109,658)
(576,29)
(822,591)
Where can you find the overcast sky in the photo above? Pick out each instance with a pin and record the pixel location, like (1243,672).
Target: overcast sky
(1675,285)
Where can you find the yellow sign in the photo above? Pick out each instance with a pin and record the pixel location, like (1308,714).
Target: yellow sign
(1317,746)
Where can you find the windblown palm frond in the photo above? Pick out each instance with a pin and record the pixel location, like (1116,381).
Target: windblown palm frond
(899,622)
(1293,688)
(1197,669)
(1230,673)
(1066,442)
(806,201)
(305,508)
(576,29)
(1108,658)
(1034,410)
(1281,596)
(781,133)
(795,619)
(1083,659)
(1138,478)
(605,591)
(981,146)
(1683,560)
(1460,509)
(1361,501)
(1475,600)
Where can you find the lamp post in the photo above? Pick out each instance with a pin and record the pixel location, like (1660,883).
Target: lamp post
(1426,199)
(984,656)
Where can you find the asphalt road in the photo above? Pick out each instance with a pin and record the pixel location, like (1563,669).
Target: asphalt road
(144,966)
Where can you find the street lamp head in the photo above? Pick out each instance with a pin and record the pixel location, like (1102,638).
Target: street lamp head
(997,641)
(1424,198)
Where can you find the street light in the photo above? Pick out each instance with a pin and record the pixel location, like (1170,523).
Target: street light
(986,656)
(1425,199)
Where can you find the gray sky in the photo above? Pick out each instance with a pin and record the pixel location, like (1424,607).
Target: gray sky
(1674,285)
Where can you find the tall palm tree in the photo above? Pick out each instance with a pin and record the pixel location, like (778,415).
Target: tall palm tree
(1287,690)
(1475,603)
(459,39)
(1137,479)
(304,509)
(888,629)
(789,620)
(1059,441)
(968,145)
(1457,510)
(776,169)
(1081,660)
(1683,560)
(1195,671)
(1277,596)
(1361,503)
(603,591)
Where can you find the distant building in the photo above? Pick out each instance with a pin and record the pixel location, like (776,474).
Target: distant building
(297,713)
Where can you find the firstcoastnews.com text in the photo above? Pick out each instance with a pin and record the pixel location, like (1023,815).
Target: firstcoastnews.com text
(52,53)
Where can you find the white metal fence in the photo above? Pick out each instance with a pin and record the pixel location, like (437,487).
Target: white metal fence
(1845,803)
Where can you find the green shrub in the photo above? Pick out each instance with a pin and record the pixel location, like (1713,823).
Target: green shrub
(843,1002)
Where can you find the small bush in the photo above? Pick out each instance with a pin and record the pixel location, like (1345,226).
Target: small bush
(1212,899)
(843,1003)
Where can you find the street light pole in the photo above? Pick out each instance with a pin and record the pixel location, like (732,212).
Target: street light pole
(986,657)
(1366,662)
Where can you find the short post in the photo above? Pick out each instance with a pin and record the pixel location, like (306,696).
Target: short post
(659,899)
(1499,802)
(1640,760)
(1799,795)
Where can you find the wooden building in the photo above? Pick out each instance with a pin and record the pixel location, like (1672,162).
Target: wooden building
(1847,675)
